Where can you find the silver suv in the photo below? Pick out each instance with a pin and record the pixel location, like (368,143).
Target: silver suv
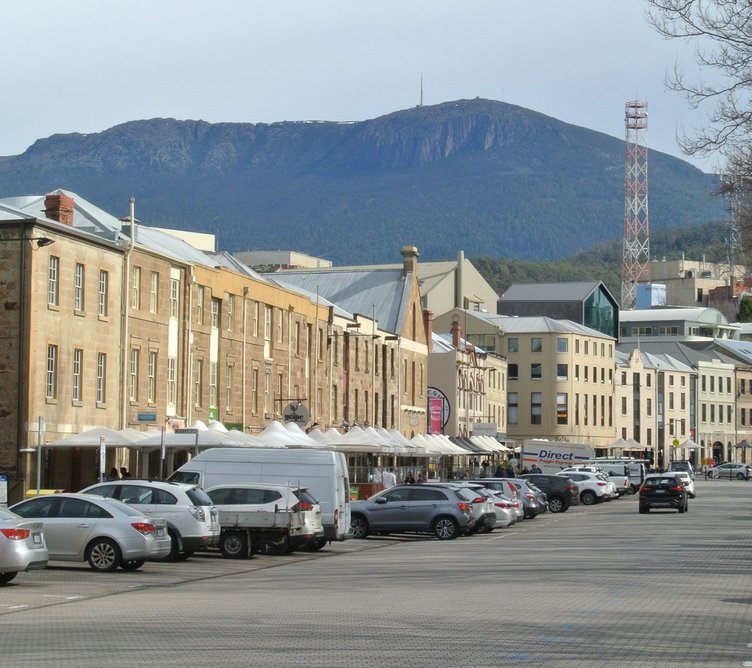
(192,519)
(441,509)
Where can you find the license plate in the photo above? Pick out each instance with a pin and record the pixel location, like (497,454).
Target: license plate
(660,491)
(36,538)
(160,532)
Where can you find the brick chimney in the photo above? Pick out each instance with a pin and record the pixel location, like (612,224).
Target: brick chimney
(428,326)
(59,208)
(410,257)
(456,334)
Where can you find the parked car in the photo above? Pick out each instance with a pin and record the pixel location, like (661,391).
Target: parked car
(560,490)
(504,508)
(105,532)
(591,486)
(484,514)
(689,483)
(22,546)
(532,503)
(444,510)
(270,498)
(663,490)
(192,519)
(682,465)
(615,485)
(729,470)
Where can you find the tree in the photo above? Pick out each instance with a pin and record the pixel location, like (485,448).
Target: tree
(722,31)
(745,310)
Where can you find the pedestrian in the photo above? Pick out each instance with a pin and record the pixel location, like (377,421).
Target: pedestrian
(421,477)
(467,475)
(113,475)
(409,478)
(388,478)
(535,469)
(499,472)
(124,474)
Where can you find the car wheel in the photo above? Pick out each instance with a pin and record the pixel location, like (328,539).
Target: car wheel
(7,576)
(174,554)
(686,507)
(103,555)
(556,504)
(234,544)
(132,565)
(446,528)
(644,509)
(682,509)
(740,476)
(359,526)
(316,545)
(588,497)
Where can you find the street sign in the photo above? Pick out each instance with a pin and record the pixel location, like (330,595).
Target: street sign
(675,442)
(296,412)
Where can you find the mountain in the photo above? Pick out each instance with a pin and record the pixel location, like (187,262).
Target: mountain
(487,177)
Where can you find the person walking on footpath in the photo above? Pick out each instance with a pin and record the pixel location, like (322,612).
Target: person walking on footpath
(389,479)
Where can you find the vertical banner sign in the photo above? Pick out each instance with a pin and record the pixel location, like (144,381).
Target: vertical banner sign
(435,406)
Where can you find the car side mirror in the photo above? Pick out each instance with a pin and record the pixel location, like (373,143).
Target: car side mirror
(381,499)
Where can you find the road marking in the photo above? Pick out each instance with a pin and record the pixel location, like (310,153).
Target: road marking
(67,598)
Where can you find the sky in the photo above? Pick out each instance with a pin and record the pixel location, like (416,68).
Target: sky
(87,65)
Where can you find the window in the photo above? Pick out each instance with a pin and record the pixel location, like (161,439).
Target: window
(712,383)
(51,372)
(648,380)
(216,305)
(267,323)
(254,391)
(154,292)
(682,401)
(280,325)
(728,414)
(199,304)
(513,345)
(728,385)
(536,344)
(52,281)
(648,406)
(512,408)
(174,297)
(577,346)
(562,409)
(536,409)
(671,401)
(255,318)
(171,381)
(742,386)
(562,345)
(229,377)
(623,405)
(623,377)
(585,348)
(78,288)
(536,371)
(513,372)
(278,395)
(136,288)
(133,375)
(702,383)
(267,391)
(151,375)
(198,372)
(213,384)
(671,380)
(704,413)
(101,378)
(103,281)
(562,371)
(78,356)
(230,312)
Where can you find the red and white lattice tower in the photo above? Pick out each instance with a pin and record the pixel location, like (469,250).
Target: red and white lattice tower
(636,258)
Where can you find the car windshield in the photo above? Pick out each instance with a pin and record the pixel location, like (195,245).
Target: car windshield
(655,482)
(466,493)
(199,497)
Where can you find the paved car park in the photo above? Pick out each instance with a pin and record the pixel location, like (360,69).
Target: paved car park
(595,586)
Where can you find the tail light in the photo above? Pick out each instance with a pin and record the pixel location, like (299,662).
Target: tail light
(479,499)
(678,488)
(464,507)
(531,497)
(302,505)
(601,484)
(198,513)
(644,490)
(16,534)
(504,504)
(572,487)
(336,517)
(143,527)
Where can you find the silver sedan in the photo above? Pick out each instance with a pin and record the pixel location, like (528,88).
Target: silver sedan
(22,546)
(105,532)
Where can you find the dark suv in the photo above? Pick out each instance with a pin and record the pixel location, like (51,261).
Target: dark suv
(559,489)
(663,490)
(444,510)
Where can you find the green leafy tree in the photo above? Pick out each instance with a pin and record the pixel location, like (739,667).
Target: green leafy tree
(745,310)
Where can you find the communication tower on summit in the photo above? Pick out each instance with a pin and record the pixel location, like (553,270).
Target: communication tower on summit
(636,257)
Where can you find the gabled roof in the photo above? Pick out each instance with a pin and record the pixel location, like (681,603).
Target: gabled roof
(689,353)
(534,324)
(550,292)
(383,293)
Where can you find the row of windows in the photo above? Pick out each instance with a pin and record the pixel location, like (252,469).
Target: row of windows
(710,410)
(593,409)
(709,381)
(52,380)
(649,403)
(562,373)
(562,346)
(636,379)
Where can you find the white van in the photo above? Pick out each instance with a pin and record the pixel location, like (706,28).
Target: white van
(634,468)
(323,472)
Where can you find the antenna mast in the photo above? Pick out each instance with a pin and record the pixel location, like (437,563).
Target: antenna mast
(636,229)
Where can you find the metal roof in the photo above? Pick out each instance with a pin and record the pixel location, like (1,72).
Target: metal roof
(382,293)
(534,324)
(697,314)
(550,292)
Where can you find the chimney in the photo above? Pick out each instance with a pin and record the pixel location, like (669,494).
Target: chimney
(428,326)
(456,334)
(409,260)
(59,208)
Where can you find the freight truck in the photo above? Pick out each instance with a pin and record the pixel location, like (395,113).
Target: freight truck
(553,456)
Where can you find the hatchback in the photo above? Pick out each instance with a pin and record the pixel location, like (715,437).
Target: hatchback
(22,546)
(663,490)
(560,490)
(106,533)
(728,470)
(192,519)
(441,509)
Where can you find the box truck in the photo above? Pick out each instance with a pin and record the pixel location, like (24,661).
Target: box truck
(553,456)
(323,472)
